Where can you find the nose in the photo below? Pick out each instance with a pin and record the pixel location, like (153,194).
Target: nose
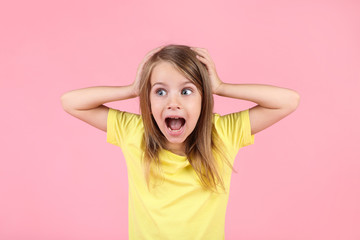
(174,102)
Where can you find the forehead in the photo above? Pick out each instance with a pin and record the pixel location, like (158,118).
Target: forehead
(165,72)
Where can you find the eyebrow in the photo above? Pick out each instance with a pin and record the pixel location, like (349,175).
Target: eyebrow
(162,83)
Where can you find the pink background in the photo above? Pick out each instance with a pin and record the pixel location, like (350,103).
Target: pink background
(60,179)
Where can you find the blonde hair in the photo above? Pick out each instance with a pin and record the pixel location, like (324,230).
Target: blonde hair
(201,143)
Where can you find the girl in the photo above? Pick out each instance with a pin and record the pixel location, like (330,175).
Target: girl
(177,143)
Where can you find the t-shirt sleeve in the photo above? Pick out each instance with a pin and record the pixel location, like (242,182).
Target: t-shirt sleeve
(235,129)
(121,126)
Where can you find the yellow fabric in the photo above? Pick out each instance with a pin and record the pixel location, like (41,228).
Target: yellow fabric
(178,208)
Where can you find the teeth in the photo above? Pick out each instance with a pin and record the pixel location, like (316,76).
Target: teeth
(175,130)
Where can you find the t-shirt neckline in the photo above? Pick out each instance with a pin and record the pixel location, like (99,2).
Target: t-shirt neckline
(175,155)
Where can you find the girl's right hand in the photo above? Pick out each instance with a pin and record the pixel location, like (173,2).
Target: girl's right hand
(136,83)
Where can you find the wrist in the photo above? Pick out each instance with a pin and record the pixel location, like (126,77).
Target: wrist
(218,88)
(134,90)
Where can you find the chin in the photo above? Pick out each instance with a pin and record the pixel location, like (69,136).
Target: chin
(175,141)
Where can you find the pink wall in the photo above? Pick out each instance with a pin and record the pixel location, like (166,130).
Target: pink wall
(60,179)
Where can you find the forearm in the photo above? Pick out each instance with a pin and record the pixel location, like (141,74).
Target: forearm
(265,95)
(92,97)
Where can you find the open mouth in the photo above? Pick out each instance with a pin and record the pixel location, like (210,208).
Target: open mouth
(174,123)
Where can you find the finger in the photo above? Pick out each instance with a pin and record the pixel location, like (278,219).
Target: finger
(155,50)
(149,55)
(158,48)
(203,59)
(203,53)
(196,49)
(199,49)
(203,56)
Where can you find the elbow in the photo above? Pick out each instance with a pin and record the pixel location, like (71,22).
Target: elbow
(64,102)
(294,100)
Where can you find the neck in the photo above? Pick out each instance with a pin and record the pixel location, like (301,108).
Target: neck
(177,148)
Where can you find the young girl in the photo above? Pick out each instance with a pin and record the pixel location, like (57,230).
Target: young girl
(177,150)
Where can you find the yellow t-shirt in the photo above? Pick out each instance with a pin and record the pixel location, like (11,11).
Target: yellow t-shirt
(179,208)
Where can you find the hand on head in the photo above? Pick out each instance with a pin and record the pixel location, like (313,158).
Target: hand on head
(204,57)
(136,83)
(201,53)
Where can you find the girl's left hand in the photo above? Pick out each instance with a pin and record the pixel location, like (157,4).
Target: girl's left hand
(204,56)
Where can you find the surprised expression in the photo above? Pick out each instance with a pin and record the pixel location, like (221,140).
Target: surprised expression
(175,104)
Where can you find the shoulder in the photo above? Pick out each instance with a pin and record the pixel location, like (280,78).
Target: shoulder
(231,119)
(123,127)
(234,128)
(123,117)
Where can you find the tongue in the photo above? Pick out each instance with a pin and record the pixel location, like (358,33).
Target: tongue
(175,124)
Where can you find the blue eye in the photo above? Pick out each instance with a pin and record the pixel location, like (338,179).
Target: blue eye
(186,91)
(160,92)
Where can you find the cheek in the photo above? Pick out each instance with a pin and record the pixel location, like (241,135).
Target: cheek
(197,106)
(151,105)
(155,108)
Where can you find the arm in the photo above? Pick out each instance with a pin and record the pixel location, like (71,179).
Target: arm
(86,104)
(274,103)
(93,97)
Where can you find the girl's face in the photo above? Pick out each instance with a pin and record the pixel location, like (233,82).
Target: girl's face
(175,104)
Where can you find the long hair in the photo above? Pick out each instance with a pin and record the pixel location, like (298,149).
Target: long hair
(204,141)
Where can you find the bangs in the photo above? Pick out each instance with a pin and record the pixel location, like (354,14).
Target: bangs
(195,79)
